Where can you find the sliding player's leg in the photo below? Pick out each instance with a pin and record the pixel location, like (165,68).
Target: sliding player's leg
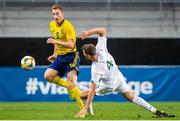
(124,89)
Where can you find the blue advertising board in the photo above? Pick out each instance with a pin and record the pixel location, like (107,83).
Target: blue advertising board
(153,83)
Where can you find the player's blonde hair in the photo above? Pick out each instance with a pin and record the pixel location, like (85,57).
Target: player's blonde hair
(57,6)
(89,49)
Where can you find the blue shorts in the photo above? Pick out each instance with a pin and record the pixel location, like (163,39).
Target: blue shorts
(66,63)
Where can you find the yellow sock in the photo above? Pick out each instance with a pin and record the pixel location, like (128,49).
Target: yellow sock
(60,81)
(76,93)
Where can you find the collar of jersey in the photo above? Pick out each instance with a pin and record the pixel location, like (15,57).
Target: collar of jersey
(61,23)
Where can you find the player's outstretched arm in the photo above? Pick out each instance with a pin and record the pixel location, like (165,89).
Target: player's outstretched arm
(100,31)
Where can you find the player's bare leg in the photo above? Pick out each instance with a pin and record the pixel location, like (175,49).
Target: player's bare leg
(73,88)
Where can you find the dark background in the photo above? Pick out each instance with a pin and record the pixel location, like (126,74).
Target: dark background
(126,51)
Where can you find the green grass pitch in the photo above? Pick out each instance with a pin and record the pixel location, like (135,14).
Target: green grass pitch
(67,110)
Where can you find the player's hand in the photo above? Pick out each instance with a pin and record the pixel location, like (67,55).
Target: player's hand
(51,58)
(84,34)
(51,41)
(81,113)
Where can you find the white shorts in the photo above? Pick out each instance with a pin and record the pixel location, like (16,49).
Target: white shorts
(118,86)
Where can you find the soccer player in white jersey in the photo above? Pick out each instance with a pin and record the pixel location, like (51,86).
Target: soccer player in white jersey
(105,76)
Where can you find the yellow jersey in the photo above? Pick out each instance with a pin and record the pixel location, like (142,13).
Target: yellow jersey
(63,33)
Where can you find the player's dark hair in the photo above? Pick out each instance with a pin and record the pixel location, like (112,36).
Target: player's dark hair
(89,49)
(57,6)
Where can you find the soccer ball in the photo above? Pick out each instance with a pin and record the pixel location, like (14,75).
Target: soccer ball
(28,63)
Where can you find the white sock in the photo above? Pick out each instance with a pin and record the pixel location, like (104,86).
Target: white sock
(141,102)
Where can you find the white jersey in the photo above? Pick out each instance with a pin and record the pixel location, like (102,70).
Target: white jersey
(105,72)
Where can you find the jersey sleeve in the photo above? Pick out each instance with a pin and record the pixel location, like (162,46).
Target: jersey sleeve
(70,32)
(51,27)
(102,43)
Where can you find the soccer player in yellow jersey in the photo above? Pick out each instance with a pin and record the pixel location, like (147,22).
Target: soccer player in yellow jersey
(65,59)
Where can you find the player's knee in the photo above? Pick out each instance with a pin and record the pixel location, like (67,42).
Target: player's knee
(48,77)
(50,74)
(72,78)
(129,96)
(72,75)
